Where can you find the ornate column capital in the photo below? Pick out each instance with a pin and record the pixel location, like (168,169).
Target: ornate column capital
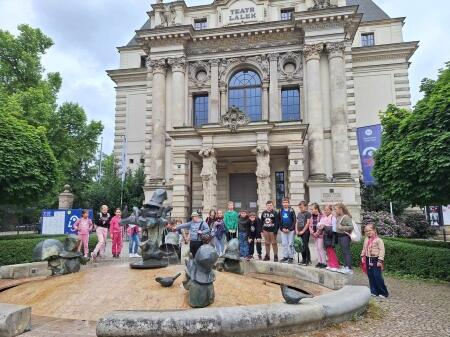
(265,85)
(273,56)
(157,66)
(214,63)
(178,64)
(336,49)
(312,51)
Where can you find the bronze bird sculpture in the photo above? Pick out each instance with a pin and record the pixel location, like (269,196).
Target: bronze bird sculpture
(167,281)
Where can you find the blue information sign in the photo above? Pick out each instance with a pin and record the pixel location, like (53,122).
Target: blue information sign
(60,221)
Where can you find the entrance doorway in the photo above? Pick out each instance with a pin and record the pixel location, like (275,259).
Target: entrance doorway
(243,191)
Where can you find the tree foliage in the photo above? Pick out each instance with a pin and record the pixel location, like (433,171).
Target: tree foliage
(29,98)
(413,162)
(28,168)
(107,190)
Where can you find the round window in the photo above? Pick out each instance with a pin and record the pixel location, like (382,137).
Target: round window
(289,67)
(201,75)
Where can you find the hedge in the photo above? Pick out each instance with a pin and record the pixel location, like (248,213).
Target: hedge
(20,250)
(410,258)
(425,243)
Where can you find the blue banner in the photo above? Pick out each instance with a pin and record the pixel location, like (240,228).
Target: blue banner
(369,140)
(60,221)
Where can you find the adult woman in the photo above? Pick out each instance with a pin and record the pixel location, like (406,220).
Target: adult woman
(102,223)
(344,227)
(329,237)
(212,217)
(316,230)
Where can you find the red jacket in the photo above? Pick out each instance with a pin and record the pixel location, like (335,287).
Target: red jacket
(115,226)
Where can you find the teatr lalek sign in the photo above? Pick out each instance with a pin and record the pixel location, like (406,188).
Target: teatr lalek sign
(242,14)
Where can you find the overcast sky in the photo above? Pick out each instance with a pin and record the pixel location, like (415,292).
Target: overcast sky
(87,32)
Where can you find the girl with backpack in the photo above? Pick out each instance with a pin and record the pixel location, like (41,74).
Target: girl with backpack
(329,234)
(344,228)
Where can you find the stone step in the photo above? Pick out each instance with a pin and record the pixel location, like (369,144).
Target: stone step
(14,319)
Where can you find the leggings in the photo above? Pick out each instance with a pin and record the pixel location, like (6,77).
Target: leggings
(321,255)
(84,240)
(344,242)
(102,233)
(116,243)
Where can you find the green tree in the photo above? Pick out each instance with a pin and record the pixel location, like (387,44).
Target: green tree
(28,168)
(413,162)
(107,190)
(373,200)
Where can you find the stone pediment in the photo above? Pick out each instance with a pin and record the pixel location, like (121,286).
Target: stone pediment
(234,118)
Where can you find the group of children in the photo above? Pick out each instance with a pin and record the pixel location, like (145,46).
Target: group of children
(104,222)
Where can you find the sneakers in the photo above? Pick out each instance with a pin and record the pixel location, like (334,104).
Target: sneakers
(331,269)
(134,255)
(382,296)
(320,265)
(93,257)
(275,258)
(345,270)
(259,257)
(266,258)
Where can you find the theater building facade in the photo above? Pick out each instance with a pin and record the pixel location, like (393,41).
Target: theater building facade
(254,100)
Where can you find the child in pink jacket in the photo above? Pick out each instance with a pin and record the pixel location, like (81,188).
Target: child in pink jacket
(115,230)
(83,226)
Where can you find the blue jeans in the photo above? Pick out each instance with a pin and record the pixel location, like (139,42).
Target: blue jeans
(243,244)
(376,281)
(133,245)
(218,244)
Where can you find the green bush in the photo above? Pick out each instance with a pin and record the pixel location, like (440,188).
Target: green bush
(20,250)
(424,243)
(410,258)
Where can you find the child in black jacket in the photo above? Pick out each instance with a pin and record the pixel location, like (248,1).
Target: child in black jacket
(254,230)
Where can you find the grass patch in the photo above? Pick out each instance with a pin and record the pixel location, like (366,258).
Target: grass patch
(375,311)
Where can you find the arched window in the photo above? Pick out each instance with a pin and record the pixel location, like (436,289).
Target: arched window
(244,92)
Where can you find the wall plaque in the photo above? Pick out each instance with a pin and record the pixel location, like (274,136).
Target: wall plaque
(331,197)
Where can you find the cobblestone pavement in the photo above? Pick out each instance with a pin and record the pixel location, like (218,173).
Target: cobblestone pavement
(414,309)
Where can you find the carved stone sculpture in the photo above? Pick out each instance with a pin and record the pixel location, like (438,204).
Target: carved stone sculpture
(234,118)
(209,177)
(168,16)
(322,4)
(200,277)
(151,217)
(263,173)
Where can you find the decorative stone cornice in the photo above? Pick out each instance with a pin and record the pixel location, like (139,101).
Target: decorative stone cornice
(336,49)
(178,64)
(312,51)
(234,118)
(157,66)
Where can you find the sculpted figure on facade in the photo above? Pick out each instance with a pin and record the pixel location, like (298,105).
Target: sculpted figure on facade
(321,4)
(168,16)
(262,152)
(209,177)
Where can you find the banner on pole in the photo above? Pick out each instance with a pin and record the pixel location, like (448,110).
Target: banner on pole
(369,140)
(123,166)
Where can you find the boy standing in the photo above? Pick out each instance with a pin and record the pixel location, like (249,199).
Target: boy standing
(254,230)
(242,233)
(270,228)
(287,221)
(231,221)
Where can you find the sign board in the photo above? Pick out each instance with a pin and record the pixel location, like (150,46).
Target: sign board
(369,140)
(243,11)
(331,197)
(60,221)
(446,215)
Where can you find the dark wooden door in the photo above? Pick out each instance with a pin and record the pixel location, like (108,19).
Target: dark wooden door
(243,191)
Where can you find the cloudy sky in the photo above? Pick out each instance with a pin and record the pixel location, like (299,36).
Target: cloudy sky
(87,32)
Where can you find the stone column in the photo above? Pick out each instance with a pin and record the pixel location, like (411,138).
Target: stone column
(274,104)
(265,101)
(65,198)
(209,179)
(178,90)
(223,100)
(158,144)
(339,131)
(214,98)
(296,179)
(263,175)
(315,118)
(180,199)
